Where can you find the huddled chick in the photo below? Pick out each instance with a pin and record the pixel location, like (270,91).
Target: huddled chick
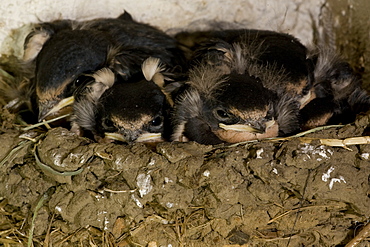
(64,50)
(121,80)
(339,95)
(128,111)
(243,85)
(274,50)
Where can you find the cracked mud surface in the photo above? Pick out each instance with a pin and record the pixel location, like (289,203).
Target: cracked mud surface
(183,194)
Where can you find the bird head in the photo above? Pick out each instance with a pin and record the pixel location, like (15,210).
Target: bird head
(126,111)
(229,102)
(218,108)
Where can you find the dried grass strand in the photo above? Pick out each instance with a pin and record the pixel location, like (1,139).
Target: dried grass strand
(364,233)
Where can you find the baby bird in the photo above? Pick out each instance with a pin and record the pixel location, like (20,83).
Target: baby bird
(277,51)
(65,50)
(339,95)
(127,111)
(228,102)
(62,59)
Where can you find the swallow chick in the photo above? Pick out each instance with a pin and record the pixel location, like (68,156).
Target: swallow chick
(125,111)
(339,95)
(269,49)
(64,50)
(232,105)
(63,58)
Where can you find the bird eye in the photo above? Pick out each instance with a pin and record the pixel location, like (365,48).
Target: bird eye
(157,121)
(108,124)
(222,114)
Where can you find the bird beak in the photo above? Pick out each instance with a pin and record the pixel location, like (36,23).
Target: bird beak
(239,127)
(61,104)
(150,137)
(246,128)
(115,136)
(146,137)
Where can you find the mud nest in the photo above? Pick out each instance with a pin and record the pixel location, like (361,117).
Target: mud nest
(59,189)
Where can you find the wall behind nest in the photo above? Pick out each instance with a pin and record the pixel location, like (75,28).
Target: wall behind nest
(290,16)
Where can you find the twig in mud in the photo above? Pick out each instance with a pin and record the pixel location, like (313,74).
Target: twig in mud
(20,145)
(364,233)
(359,140)
(300,208)
(38,206)
(300,204)
(47,237)
(117,191)
(46,123)
(315,130)
(62,241)
(284,138)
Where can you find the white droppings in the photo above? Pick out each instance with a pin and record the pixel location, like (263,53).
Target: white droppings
(58,160)
(106,223)
(152,162)
(259,152)
(365,156)
(168,180)
(274,170)
(326,176)
(58,208)
(338,180)
(99,196)
(169,205)
(206,173)
(138,203)
(322,151)
(119,163)
(143,182)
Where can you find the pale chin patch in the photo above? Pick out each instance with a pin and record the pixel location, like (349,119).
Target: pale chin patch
(233,136)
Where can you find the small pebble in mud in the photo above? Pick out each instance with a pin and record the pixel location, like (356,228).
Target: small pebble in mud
(365,156)
(206,173)
(143,183)
(259,152)
(275,171)
(138,203)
